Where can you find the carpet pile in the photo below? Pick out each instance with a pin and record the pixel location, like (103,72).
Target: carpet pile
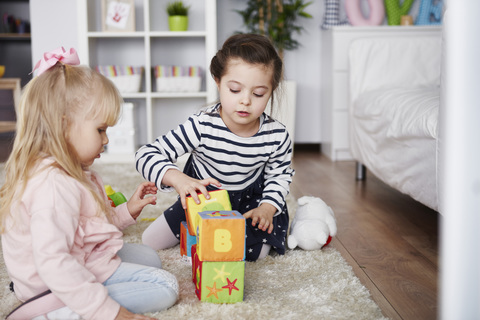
(298,285)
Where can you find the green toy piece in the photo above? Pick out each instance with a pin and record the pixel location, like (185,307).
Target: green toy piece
(116,198)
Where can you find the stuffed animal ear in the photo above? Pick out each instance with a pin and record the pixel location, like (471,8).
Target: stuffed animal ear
(302,201)
(292,242)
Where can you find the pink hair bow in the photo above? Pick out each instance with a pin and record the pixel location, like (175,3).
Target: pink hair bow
(49,59)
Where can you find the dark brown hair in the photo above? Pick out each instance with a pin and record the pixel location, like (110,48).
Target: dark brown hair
(251,48)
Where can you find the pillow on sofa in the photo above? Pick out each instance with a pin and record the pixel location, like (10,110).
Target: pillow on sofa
(400,113)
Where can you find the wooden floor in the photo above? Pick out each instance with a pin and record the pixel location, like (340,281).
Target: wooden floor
(390,240)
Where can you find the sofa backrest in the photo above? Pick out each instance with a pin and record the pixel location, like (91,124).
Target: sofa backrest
(381,62)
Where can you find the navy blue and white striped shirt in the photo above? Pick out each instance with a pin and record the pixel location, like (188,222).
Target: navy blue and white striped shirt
(236,162)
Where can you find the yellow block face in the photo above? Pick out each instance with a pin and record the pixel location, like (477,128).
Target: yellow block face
(221,236)
(219,201)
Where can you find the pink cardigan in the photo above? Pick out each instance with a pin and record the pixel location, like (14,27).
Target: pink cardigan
(57,241)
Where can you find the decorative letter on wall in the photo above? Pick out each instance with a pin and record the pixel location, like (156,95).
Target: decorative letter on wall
(395,11)
(331,17)
(430,13)
(356,18)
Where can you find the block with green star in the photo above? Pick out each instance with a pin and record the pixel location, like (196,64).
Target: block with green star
(219,200)
(218,281)
(220,236)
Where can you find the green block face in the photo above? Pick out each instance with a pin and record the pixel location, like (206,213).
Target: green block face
(219,281)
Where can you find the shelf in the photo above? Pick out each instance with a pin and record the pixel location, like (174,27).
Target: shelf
(164,95)
(15,36)
(178,34)
(111,34)
(179,94)
(155,112)
(134,95)
(153,34)
(386,28)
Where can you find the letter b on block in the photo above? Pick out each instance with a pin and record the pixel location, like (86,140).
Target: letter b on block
(222,240)
(221,236)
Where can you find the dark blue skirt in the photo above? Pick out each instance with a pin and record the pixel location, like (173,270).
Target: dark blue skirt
(242,201)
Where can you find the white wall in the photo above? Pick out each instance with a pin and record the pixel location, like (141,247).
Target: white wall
(302,65)
(54,28)
(54,24)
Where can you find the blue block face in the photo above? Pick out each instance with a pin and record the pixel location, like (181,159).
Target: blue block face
(186,240)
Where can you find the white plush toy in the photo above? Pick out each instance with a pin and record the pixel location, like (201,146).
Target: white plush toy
(313,225)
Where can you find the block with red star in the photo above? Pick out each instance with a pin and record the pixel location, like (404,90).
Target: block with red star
(220,236)
(218,281)
(186,240)
(219,201)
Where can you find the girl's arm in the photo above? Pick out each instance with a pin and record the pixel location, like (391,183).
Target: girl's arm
(263,215)
(139,199)
(278,175)
(155,159)
(185,185)
(55,220)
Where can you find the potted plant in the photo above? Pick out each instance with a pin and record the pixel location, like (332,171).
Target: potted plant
(276,19)
(177,16)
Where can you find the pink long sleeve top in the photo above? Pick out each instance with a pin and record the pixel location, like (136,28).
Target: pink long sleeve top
(56,240)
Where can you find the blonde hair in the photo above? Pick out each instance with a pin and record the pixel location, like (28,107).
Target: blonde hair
(50,104)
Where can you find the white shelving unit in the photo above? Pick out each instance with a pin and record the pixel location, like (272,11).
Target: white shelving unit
(16,51)
(335,80)
(149,45)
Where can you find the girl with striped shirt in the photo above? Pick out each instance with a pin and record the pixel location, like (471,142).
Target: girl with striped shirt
(233,145)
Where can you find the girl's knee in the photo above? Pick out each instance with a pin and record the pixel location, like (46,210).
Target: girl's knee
(170,283)
(159,235)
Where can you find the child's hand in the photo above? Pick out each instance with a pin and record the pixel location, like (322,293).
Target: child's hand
(125,314)
(263,215)
(185,185)
(138,200)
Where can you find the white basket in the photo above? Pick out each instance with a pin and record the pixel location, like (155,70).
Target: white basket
(122,137)
(127,83)
(121,141)
(178,84)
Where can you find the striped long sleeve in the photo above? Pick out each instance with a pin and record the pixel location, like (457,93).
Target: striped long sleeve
(236,162)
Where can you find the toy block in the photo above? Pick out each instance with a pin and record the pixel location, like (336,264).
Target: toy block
(218,281)
(186,240)
(220,236)
(219,200)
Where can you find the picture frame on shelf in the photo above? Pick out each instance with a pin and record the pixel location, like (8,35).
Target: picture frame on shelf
(118,15)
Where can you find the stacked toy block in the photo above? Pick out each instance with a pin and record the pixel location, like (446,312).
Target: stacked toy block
(219,201)
(218,281)
(218,266)
(186,240)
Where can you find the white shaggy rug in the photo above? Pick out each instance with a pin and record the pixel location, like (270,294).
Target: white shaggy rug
(298,285)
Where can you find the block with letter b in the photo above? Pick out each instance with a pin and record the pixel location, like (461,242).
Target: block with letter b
(218,281)
(220,236)
(219,201)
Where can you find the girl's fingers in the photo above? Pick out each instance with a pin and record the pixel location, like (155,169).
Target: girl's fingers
(270,229)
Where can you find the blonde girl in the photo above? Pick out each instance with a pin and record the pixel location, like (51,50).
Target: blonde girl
(234,145)
(61,239)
